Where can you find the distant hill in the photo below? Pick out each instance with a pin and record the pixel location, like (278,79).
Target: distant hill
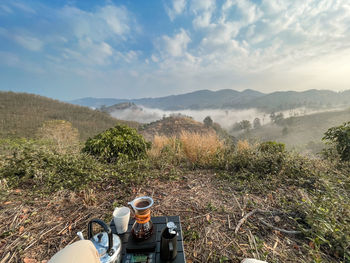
(202,99)
(120,106)
(303,132)
(232,99)
(314,99)
(173,126)
(22,114)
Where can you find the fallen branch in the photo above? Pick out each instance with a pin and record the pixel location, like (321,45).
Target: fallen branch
(289,232)
(241,222)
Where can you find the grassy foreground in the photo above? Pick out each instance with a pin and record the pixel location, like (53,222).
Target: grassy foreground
(234,201)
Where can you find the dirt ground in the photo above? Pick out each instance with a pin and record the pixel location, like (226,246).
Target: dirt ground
(33,228)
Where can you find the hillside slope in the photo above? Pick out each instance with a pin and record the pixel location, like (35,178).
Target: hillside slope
(22,114)
(303,132)
(173,126)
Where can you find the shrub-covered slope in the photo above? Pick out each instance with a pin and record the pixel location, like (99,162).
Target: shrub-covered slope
(22,114)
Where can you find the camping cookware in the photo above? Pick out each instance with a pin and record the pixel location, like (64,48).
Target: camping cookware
(106,243)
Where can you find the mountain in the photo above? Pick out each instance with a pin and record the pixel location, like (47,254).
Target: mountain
(22,114)
(120,107)
(202,99)
(317,99)
(232,99)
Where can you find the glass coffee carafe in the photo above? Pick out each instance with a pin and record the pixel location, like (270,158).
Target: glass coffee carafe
(143,226)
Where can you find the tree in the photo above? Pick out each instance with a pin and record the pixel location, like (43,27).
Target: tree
(284,131)
(208,121)
(277,118)
(256,123)
(340,137)
(60,132)
(245,125)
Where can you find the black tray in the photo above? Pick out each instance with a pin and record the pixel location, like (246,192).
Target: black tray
(159,223)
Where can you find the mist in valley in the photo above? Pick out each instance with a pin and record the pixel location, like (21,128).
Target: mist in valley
(227,118)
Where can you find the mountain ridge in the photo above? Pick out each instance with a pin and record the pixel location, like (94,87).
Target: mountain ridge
(232,99)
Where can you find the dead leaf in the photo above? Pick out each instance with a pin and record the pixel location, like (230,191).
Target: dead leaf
(25,210)
(21,229)
(208,217)
(29,260)
(8,202)
(277,219)
(312,245)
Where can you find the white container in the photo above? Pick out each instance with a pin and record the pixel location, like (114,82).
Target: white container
(252,260)
(121,216)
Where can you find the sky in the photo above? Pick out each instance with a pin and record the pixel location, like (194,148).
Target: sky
(148,48)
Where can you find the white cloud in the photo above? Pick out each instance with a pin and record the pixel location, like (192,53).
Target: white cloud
(23,7)
(202,10)
(177,7)
(29,42)
(117,18)
(23,38)
(108,22)
(202,5)
(176,46)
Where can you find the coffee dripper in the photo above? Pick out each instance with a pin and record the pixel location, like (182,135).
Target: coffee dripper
(142,229)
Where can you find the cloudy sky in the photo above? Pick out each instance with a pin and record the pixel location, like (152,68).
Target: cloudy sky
(148,48)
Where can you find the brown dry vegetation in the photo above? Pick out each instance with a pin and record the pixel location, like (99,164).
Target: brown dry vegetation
(197,148)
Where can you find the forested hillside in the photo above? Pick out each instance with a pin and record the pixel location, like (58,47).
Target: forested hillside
(22,114)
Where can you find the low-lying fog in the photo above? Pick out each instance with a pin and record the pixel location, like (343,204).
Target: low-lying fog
(226,118)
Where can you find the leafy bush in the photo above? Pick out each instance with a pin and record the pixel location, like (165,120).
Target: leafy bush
(328,213)
(272,147)
(39,168)
(340,137)
(120,142)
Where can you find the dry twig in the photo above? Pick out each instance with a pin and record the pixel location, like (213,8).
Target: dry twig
(289,232)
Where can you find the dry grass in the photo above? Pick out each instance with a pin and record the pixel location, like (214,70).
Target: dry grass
(160,142)
(243,146)
(198,148)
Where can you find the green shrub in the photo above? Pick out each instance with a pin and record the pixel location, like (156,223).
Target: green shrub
(340,137)
(272,147)
(41,169)
(118,143)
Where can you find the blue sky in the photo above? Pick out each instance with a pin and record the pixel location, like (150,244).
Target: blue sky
(139,48)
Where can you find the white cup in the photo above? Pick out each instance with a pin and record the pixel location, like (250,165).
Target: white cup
(121,216)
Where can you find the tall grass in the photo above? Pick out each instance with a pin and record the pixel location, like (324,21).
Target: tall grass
(201,148)
(196,148)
